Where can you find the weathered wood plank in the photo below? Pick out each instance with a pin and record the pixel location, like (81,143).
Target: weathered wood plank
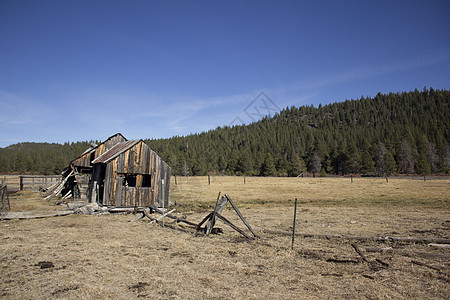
(34,215)
(234,226)
(241,216)
(220,205)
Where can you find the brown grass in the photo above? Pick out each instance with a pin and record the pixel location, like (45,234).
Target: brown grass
(109,257)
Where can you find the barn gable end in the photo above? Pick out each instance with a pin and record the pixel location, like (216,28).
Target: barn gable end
(131,175)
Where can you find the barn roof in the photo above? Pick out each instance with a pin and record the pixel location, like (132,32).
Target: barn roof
(92,149)
(115,151)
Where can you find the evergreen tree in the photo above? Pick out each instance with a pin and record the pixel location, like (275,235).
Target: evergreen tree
(422,166)
(268,166)
(389,164)
(367,163)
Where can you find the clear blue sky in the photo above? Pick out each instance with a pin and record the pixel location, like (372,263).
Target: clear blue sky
(82,70)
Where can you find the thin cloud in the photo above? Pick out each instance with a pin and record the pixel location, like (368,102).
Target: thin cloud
(21,110)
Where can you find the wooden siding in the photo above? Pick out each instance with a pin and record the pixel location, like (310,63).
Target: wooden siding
(139,160)
(86,159)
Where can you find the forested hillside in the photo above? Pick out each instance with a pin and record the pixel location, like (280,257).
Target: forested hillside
(403,133)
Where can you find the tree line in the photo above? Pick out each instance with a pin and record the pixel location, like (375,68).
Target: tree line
(405,133)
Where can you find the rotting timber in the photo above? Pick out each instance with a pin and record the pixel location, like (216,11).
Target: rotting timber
(119,173)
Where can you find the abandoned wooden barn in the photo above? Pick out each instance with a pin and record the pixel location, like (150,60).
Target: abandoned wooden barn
(119,173)
(130,174)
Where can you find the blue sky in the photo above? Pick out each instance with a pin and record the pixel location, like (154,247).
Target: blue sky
(82,70)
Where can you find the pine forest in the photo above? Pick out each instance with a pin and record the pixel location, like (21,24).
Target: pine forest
(395,133)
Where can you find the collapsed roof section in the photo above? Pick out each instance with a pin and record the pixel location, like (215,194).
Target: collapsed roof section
(84,162)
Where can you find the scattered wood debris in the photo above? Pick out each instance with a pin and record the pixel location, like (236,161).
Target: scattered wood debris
(34,215)
(220,205)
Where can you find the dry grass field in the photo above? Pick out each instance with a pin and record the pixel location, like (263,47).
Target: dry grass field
(107,256)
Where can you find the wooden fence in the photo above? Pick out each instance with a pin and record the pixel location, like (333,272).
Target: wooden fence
(28,182)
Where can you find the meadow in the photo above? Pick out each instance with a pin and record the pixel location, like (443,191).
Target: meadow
(108,256)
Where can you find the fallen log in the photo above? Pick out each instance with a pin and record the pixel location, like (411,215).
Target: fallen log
(407,252)
(356,237)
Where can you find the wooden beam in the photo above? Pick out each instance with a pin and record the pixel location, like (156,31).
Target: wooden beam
(161,216)
(204,220)
(138,217)
(172,216)
(241,216)
(32,215)
(234,226)
(220,205)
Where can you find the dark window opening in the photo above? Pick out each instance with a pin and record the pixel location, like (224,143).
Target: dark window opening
(146,180)
(129,180)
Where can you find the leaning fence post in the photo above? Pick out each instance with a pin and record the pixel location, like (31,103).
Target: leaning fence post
(20,183)
(293,227)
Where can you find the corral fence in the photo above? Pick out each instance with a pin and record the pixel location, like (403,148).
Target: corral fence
(28,182)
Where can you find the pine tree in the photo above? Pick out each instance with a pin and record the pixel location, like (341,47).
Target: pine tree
(422,166)
(389,164)
(268,166)
(367,163)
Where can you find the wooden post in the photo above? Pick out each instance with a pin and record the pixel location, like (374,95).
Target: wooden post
(175,179)
(2,195)
(20,183)
(244,179)
(424,178)
(351,176)
(163,200)
(387,180)
(220,205)
(293,227)
(209,180)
